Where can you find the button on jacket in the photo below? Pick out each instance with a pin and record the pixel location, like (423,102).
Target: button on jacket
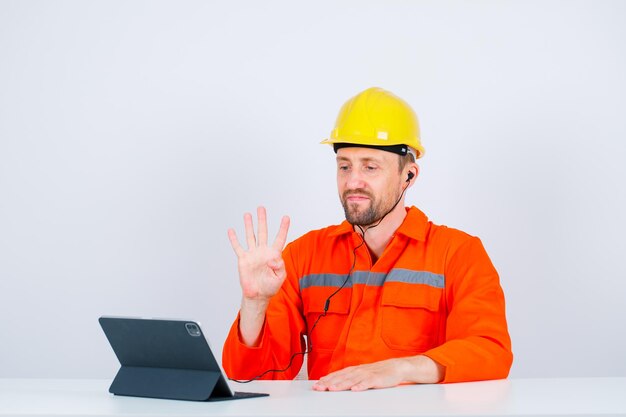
(433,291)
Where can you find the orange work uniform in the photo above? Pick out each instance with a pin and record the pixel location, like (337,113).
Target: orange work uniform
(433,291)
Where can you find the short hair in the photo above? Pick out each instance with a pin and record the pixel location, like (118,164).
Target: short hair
(404,160)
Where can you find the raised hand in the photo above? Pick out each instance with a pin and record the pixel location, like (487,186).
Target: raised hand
(261,268)
(261,272)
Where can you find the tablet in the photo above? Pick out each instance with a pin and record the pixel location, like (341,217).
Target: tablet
(166,359)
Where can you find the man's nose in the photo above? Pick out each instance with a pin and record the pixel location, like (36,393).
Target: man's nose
(355,180)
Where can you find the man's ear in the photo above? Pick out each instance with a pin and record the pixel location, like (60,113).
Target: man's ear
(412,173)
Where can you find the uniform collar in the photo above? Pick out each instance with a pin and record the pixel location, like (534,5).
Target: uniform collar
(413,226)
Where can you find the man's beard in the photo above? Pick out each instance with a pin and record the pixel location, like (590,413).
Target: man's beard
(376,210)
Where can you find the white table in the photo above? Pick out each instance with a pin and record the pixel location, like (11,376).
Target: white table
(514,397)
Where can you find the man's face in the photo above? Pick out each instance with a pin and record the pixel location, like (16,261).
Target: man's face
(369,183)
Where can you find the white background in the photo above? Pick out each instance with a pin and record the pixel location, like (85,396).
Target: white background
(133,134)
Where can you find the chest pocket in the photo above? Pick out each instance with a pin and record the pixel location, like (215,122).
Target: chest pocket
(411,316)
(329,327)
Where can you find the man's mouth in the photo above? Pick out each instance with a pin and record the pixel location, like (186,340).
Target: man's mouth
(356,197)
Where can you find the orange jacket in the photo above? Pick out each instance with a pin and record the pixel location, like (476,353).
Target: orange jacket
(433,291)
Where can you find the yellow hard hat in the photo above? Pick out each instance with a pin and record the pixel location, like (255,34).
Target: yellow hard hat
(377,118)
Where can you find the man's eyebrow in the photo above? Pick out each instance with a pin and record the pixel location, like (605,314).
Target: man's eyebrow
(364,159)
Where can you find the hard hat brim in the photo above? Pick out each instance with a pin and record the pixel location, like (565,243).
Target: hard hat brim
(417,152)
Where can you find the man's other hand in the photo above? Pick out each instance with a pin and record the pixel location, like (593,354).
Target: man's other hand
(383,374)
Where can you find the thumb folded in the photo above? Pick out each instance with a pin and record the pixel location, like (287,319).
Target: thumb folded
(276,263)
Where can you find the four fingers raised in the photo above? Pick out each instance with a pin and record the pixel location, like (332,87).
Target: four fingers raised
(261,238)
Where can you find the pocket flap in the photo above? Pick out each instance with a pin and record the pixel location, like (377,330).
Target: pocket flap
(314,298)
(399,294)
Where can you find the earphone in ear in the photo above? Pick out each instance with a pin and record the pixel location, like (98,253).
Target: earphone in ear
(410,176)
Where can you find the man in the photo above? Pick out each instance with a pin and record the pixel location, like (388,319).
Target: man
(386,297)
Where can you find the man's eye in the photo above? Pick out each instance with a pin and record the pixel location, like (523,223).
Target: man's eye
(371,168)
(343,168)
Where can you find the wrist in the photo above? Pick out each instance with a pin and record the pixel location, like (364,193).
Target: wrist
(251,320)
(420,369)
(254,306)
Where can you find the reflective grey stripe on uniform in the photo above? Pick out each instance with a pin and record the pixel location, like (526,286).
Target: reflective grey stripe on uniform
(416,277)
(323,280)
(373,279)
